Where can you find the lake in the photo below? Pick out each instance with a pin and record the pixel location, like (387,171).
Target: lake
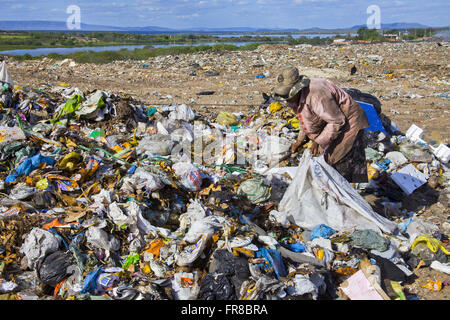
(46,51)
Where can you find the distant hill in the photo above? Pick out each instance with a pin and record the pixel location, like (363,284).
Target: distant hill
(398,25)
(61,26)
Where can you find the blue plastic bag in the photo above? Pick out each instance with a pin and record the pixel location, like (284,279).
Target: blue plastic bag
(28,166)
(297,247)
(90,282)
(375,123)
(274,260)
(321,231)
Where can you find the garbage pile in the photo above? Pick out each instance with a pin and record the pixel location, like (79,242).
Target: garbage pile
(104,197)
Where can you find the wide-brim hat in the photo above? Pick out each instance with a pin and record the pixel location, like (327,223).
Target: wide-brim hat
(290,83)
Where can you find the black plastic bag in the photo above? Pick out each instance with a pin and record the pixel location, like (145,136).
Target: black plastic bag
(217,286)
(364,97)
(53,268)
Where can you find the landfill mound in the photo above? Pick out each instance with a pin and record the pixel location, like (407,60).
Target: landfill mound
(106,197)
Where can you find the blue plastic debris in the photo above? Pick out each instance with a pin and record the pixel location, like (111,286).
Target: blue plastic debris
(274,260)
(383,164)
(404,225)
(28,166)
(322,231)
(90,282)
(375,123)
(297,247)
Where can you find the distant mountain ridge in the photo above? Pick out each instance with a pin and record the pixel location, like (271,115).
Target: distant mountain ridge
(397,25)
(37,25)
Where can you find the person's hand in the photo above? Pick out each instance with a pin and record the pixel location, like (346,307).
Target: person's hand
(301,139)
(295,146)
(315,149)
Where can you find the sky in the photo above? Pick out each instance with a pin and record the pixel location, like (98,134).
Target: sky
(178,14)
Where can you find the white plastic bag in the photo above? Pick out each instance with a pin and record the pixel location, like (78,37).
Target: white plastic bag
(182,112)
(5,76)
(185,285)
(10,134)
(274,148)
(38,244)
(318,194)
(190,176)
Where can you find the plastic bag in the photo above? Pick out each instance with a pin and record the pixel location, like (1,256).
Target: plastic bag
(53,269)
(157,144)
(182,112)
(10,134)
(99,238)
(27,166)
(369,239)
(38,244)
(192,252)
(142,179)
(185,285)
(274,148)
(68,108)
(190,176)
(227,118)
(321,231)
(5,76)
(89,108)
(216,286)
(301,285)
(318,194)
(255,190)
(433,244)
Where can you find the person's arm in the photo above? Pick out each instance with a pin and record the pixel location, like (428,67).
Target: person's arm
(328,110)
(301,139)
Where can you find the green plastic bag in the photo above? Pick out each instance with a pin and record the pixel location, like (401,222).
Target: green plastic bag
(132,259)
(227,118)
(255,190)
(70,107)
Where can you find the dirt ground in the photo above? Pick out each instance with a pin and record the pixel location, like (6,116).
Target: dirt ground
(407,78)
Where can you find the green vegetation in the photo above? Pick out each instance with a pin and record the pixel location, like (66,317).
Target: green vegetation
(369,34)
(313,41)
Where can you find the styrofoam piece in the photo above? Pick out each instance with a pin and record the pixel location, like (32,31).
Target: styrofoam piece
(414,133)
(442,267)
(409,178)
(442,152)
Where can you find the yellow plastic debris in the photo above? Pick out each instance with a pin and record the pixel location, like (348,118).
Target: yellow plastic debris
(432,243)
(42,184)
(294,122)
(372,173)
(274,107)
(398,290)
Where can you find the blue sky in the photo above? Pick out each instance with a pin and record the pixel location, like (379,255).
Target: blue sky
(231,13)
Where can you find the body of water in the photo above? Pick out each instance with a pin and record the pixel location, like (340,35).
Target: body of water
(46,51)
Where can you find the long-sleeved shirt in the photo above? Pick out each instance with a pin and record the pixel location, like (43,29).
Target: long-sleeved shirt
(330,117)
